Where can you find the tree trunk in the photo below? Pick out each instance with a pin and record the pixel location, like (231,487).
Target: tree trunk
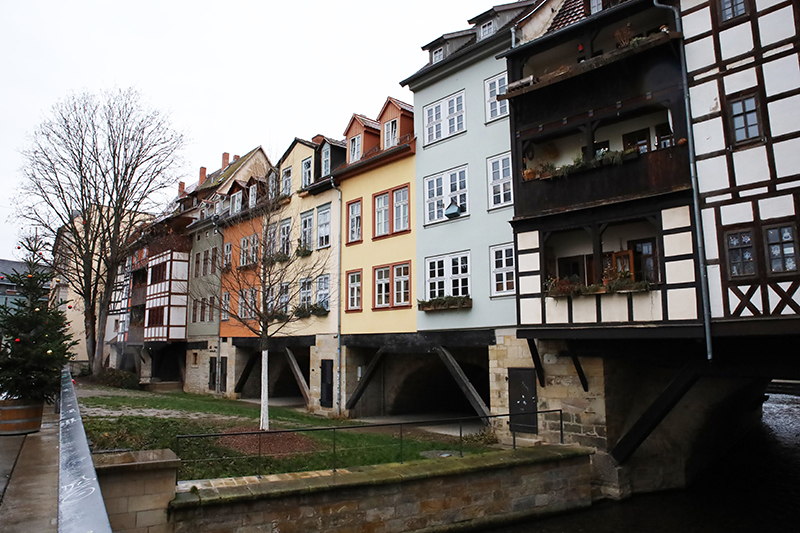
(265,389)
(89,333)
(102,319)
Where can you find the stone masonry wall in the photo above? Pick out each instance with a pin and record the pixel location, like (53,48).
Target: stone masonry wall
(325,348)
(197,374)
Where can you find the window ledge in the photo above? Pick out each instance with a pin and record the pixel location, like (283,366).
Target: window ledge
(495,119)
(351,243)
(388,235)
(463,216)
(443,139)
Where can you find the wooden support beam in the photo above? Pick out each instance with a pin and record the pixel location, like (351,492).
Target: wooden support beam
(365,379)
(463,382)
(579,369)
(658,410)
(537,361)
(298,374)
(248,369)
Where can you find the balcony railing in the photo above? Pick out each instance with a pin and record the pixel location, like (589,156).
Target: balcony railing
(651,174)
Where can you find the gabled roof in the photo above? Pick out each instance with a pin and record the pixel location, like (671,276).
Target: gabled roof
(334,142)
(469,32)
(399,103)
(364,121)
(571,11)
(499,9)
(224,180)
(295,142)
(216,178)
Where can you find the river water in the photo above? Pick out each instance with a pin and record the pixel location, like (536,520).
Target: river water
(754,488)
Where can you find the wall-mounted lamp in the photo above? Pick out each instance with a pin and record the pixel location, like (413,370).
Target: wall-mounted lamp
(453,210)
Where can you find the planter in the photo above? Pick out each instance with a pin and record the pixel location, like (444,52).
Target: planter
(528,174)
(443,304)
(20,417)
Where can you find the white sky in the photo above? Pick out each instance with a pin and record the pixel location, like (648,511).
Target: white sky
(234,75)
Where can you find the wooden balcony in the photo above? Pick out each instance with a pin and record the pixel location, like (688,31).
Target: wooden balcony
(138,295)
(646,175)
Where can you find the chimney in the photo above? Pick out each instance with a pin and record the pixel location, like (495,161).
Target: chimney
(225,159)
(181,188)
(202,176)
(236,157)
(317,139)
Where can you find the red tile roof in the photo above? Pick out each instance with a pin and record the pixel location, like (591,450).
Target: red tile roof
(571,11)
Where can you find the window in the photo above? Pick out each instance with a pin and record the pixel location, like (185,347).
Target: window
(252,196)
(283,298)
(382,214)
(285,237)
(664,136)
(502,269)
(307,230)
(227,252)
(354,291)
(214,260)
(195,305)
(355,148)
(305,292)
(286,182)
(487,28)
(323,291)
(155,316)
(400,207)
(354,221)
(159,273)
(448,275)
(454,121)
(595,6)
(272,237)
(244,311)
(225,306)
(639,140)
(645,260)
(744,118)
(402,285)
(494,87)
(236,202)
(732,8)
(326,160)
(254,248)
(438,55)
(500,180)
(203,310)
(210,308)
(741,259)
(382,285)
(244,251)
(390,134)
(272,186)
(205,262)
(197,264)
(780,249)
(437,200)
(271,300)
(306,177)
(323,226)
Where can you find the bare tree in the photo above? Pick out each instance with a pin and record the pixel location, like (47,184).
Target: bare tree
(93,170)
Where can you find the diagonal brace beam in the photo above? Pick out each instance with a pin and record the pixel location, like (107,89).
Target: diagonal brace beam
(248,369)
(463,382)
(298,374)
(537,361)
(365,379)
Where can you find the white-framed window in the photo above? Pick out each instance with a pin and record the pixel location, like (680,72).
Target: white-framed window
(382,287)
(382,214)
(447,275)
(400,207)
(402,286)
(437,55)
(324,291)
(252,196)
(444,118)
(283,297)
(218,207)
(307,230)
(306,165)
(286,182)
(323,226)
(441,189)
(236,202)
(270,299)
(252,301)
(244,251)
(355,148)
(227,251)
(254,248)
(272,238)
(487,28)
(305,292)
(285,236)
(503,281)
(272,186)
(499,172)
(244,309)
(225,306)
(354,221)
(493,87)
(595,6)
(354,290)
(326,160)
(390,134)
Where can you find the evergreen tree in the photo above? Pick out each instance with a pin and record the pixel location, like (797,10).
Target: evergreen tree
(35,338)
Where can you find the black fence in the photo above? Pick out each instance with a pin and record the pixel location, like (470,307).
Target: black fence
(252,453)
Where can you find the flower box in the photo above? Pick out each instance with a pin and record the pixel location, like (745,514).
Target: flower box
(445,303)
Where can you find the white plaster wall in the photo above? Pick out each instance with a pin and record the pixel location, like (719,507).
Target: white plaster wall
(784,115)
(528,240)
(712,174)
(530,310)
(696,23)
(584,309)
(753,192)
(709,136)
(761,5)
(678,244)
(704,98)
(700,54)
(736,213)
(777,207)
(715,291)
(787,157)
(647,306)
(556,310)
(689,4)
(781,75)
(177,316)
(736,41)
(680,271)
(676,217)
(528,262)
(710,233)
(776,26)
(616,238)
(614,308)
(740,81)
(682,304)
(569,243)
(750,166)
(530,284)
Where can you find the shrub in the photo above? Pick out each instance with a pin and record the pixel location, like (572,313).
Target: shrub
(119,379)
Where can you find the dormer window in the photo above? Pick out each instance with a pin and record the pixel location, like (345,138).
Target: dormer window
(218,207)
(487,28)
(306,172)
(326,160)
(355,148)
(236,202)
(437,55)
(595,6)
(252,197)
(272,186)
(390,134)
(286,182)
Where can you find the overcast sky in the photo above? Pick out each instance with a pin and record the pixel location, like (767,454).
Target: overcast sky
(234,75)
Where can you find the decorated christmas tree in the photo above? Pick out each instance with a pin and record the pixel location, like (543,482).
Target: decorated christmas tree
(35,339)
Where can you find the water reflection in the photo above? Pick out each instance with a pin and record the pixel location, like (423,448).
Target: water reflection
(755,488)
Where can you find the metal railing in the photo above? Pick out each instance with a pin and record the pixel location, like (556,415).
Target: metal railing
(214,455)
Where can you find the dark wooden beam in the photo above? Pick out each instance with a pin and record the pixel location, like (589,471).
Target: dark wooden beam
(579,370)
(537,361)
(463,382)
(369,373)
(658,410)
(248,369)
(298,374)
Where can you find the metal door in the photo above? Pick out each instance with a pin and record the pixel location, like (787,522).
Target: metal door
(212,373)
(522,400)
(326,394)
(223,374)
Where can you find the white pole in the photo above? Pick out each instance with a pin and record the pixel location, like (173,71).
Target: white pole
(265,390)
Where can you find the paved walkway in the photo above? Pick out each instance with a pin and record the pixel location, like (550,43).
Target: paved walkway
(29,469)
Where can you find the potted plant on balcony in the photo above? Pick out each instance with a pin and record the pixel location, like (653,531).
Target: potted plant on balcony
(546,170)
(562,287)
(302,311)
(34,348)
(302,250)
(445,302)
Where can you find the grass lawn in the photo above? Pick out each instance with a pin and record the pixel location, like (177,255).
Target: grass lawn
(267,453)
